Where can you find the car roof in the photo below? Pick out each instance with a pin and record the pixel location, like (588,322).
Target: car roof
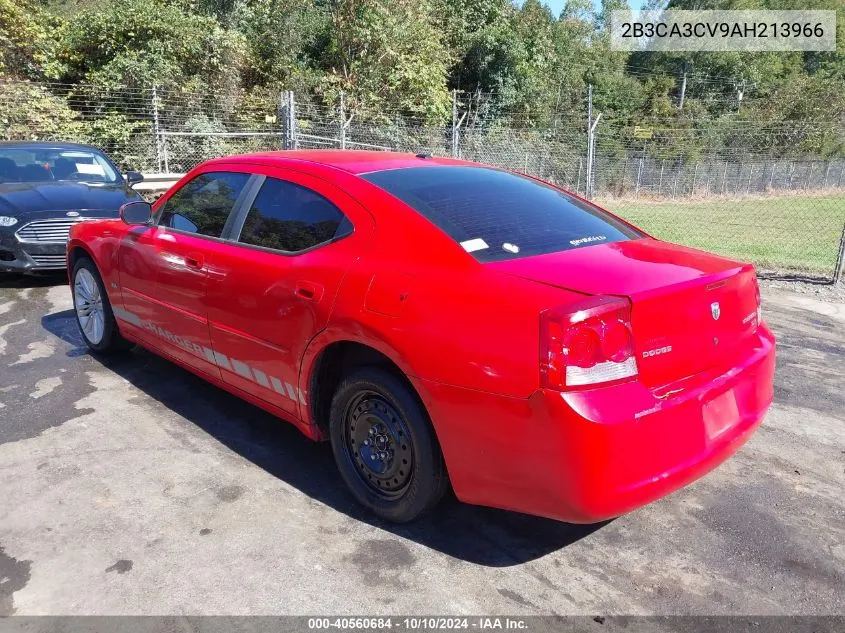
(350,161)
(46,145)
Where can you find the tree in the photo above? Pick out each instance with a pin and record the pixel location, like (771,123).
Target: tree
(29,111)
(387,56)
(26,39)
(285,40)
(138,43)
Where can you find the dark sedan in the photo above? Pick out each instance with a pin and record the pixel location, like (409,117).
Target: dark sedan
(45,188)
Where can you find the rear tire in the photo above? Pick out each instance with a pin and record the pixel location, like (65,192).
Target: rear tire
(385,447)
(93,310)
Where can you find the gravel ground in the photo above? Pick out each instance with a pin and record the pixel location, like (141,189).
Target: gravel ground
(131,487)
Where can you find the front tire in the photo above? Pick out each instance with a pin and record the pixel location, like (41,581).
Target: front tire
(385,447)
(93,310)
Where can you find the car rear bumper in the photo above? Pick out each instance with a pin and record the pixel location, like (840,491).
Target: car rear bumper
(591,455)
(23,257)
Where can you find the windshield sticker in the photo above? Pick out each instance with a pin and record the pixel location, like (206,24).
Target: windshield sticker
(586,240)
(510,248)
(93,170)
(474,245)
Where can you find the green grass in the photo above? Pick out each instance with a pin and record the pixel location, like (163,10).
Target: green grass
(785,233)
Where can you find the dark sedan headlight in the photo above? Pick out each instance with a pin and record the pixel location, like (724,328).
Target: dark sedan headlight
(5,220)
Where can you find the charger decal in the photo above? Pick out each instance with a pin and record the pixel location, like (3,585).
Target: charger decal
(233,365)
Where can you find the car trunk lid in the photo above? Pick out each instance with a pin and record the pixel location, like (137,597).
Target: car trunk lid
(689,309)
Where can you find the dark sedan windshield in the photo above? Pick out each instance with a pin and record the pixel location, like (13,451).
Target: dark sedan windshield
(498,215)
(37,164)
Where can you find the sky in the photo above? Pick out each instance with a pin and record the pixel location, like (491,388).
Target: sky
(557,5)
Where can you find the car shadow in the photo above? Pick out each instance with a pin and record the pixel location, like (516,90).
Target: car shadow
(40,280)
(484,536)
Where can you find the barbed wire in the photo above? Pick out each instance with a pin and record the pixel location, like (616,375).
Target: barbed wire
(753,189)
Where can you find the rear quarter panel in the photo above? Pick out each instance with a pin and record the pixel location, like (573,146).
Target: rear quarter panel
(441,316)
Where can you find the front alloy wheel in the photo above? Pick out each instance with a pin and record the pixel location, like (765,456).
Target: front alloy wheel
(93,310)
(89,306)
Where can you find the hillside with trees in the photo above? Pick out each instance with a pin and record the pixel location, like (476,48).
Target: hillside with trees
(510,64)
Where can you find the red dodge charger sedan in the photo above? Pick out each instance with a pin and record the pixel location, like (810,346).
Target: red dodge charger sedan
(441,323)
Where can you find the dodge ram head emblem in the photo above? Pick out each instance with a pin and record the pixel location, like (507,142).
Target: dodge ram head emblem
(715,310)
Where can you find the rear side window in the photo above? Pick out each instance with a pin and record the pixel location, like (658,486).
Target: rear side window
(496,215)
(203,204)
(291,218)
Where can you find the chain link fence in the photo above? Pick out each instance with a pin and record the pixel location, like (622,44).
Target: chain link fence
(715,186)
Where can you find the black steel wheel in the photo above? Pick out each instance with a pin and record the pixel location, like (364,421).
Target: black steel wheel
(385,446)
(379,444)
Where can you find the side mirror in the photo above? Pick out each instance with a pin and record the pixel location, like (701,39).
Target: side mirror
(136,212)
(133,177)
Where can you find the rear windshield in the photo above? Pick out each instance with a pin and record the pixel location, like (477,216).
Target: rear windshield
(497,215)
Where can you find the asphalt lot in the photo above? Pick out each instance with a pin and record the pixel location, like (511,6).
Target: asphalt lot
(128,486)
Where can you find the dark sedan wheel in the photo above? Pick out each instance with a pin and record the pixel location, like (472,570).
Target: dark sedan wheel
(93,309)
(385,446)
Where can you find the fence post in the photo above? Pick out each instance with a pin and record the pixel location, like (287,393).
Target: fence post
(589,139)
(660,182)
(591,144)
(288,120)
(675,184)
(750,173)
(593,158)
(772,176)
(578,182)
(282,115)
(694,174)
(292,116)
(156,130)
(454,123)
(624,174)
(840,258)
(826,174)
(342,122)
(283,118)
(456,126)
(639,175)
(725,179)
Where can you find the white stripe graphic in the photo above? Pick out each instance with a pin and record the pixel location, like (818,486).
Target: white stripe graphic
(261,378)
(241,369)
(277,385)
(125,315)
(221,360)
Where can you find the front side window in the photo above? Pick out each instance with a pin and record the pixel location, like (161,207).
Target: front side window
(497,215)
(291,218)
(202,205)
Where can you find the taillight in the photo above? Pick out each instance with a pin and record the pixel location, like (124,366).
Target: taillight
(759,302)
(586,343)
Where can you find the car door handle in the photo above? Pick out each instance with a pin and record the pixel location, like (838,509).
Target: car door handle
(193,261)
(308,290)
